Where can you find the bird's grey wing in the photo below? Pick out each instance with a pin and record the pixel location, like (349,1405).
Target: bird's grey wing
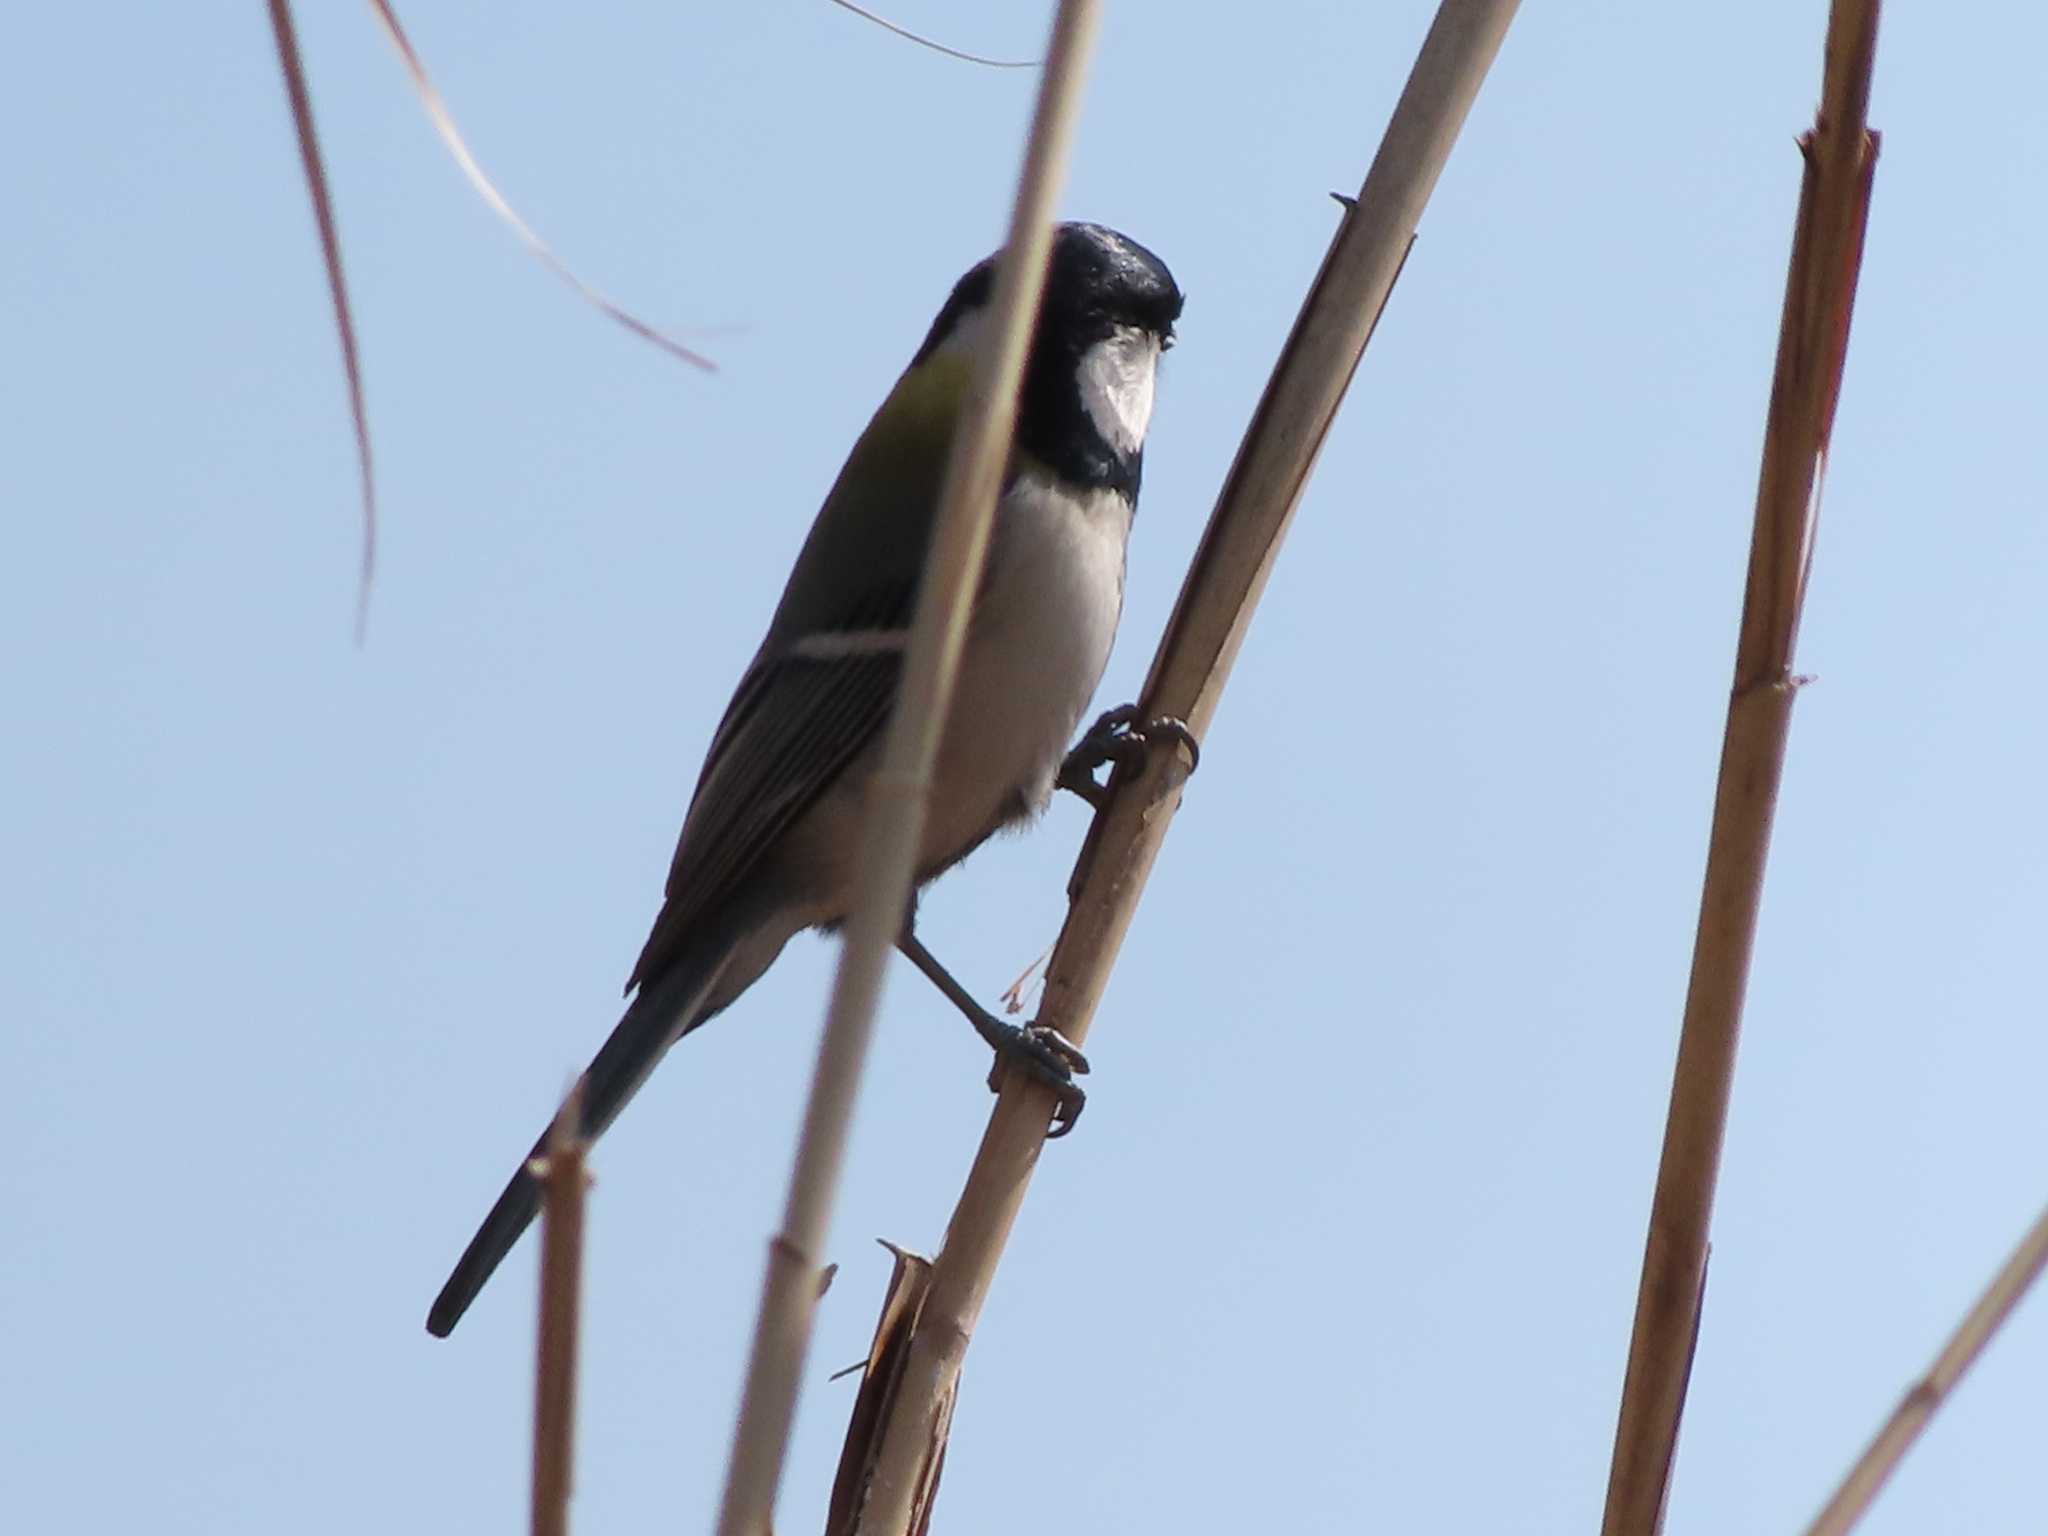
(805,709)
(822,684)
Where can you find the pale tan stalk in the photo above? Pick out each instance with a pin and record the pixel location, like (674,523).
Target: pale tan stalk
(900,790)
(1820,288)
(1927,1394)
(1194,660)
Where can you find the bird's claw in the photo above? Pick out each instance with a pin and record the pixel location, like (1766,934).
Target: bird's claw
(1046,1056)
(1119,739)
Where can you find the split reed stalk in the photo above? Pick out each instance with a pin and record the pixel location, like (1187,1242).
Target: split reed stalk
(1194,661)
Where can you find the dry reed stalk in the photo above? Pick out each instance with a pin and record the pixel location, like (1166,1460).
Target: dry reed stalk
(1927,1394)
(931,42)
(301,100)
(909,1284)
(1257,502)
(443,122)
(1820,288)
(900,789)
(563,1182)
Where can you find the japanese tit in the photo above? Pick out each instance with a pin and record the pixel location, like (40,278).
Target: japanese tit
(771,840)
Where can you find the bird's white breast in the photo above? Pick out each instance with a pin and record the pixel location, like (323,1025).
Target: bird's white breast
(1036,650)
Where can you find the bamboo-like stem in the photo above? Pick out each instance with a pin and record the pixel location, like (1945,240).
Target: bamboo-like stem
(563,1181)
(1927,1394)
(1820,288)
(899,791)
(1194,661)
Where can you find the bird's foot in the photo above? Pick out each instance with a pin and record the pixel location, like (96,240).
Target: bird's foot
(1042,1054)
(1120,740)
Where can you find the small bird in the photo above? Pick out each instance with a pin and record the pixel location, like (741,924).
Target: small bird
(771,841)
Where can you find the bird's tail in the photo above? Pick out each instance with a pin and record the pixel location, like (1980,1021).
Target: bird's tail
(661,1011)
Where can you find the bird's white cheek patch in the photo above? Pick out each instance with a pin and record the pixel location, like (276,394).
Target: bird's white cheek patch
(1116,378)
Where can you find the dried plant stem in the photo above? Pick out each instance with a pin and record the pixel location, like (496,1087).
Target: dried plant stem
(900,790)
(1820,291)
(563,1182)
(932,43)
(1194,660)
(1927,1394)
(901,1303)
(458,147)
(301,100)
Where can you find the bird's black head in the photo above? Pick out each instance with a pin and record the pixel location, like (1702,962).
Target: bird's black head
(1108,312)
(1100,280)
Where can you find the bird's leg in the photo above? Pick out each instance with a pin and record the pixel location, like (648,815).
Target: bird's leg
(1117,738)
(1043,1053)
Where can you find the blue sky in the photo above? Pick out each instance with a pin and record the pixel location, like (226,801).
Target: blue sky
(302,940)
